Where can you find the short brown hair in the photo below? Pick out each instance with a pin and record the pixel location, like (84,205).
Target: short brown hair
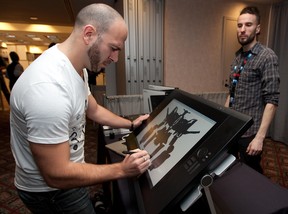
(253,11)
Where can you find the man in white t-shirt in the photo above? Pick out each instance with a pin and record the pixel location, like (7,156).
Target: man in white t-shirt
(49,105)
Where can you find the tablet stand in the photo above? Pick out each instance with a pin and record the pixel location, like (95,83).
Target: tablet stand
(205,183)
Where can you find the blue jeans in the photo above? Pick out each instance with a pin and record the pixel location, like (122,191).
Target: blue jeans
(60,201)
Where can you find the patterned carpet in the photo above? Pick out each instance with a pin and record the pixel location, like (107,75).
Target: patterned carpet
(274,162)
(9,201)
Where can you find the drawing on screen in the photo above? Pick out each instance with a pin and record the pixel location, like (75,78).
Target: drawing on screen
(170,135)
(175,125)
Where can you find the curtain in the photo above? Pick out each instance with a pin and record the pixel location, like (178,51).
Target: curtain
(127,105)
(124,105)
(278,41)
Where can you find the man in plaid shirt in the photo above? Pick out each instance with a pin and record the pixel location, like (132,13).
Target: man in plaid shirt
(254,88)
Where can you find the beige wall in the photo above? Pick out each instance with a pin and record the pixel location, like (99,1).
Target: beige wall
(193,41)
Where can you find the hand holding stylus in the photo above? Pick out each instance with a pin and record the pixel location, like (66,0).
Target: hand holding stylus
(136,162)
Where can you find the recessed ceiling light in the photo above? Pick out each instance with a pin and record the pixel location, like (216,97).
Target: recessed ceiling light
(53,38)
(34,18)
(31,35)
(37,39)
(10,36)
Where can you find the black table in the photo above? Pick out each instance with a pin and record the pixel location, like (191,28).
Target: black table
(120,192)
(239,190)
(244,190)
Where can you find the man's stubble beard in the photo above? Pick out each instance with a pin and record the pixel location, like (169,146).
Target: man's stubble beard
(249,39)
(94,55)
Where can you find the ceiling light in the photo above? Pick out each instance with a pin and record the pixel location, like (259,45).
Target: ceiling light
(37,39)
(31,35)
(53,38)
(10,36)
(34,18)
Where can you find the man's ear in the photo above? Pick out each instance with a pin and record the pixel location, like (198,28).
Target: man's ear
(89,32)
(258,29)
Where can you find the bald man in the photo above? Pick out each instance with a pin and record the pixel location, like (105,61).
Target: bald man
(49,105)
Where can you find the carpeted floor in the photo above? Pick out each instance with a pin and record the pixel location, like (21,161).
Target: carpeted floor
(274,162)
(9,201)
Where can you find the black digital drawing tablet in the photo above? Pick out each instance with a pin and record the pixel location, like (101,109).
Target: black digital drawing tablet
(186,136)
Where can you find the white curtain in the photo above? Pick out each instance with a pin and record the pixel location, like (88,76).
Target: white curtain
(124,105)
(278,41)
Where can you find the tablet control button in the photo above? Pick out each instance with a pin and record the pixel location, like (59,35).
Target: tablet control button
(202,152)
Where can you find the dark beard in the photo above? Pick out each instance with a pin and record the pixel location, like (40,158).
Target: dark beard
(248,41)
(94,55)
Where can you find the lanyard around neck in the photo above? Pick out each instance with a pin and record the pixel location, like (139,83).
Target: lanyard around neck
(237,70)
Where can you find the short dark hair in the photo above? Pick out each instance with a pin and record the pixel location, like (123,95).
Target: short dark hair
(99,15)
(253,11)
(14,56)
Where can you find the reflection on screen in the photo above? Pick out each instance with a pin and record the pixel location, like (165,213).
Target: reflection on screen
(170,135)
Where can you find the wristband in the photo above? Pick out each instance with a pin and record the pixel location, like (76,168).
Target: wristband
(131,127)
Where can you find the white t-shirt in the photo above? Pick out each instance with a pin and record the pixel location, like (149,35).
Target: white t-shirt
(48,105)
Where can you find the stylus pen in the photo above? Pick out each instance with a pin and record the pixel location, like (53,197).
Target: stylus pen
(128,152)
(131,152)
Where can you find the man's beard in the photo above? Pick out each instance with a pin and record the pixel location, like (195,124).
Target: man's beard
(94,56)
(249,39)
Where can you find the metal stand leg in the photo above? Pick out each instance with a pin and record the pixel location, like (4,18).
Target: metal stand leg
(206,182)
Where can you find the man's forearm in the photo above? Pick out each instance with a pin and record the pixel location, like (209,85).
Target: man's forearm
(268,115)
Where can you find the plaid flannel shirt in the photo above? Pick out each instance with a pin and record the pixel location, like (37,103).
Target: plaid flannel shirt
(258,84)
